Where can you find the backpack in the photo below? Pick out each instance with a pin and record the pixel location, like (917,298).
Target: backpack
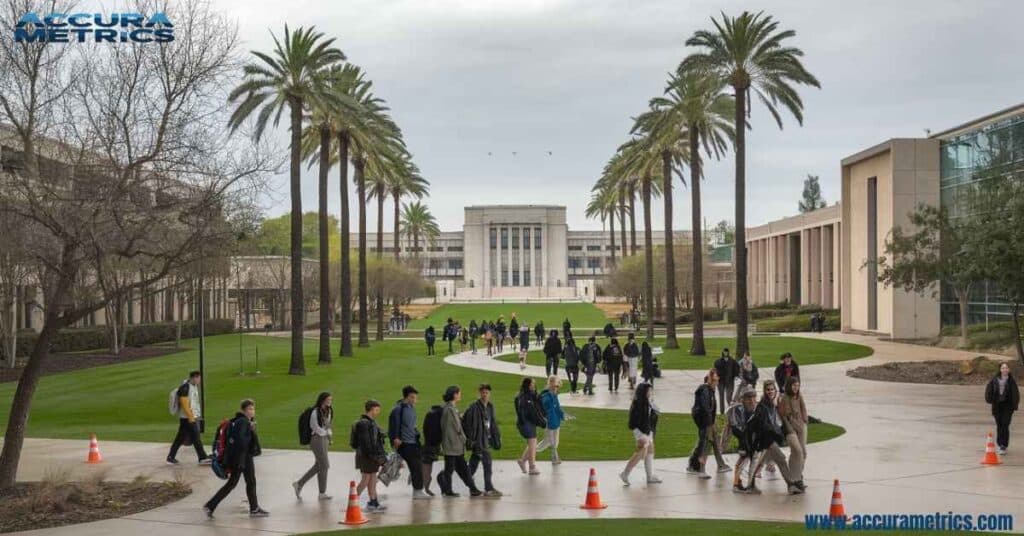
(305,430)
(432,427)
(353,436)
(172,402)
(220,443)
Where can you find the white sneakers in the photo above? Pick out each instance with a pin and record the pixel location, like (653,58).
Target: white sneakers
(624,476)
(420,495)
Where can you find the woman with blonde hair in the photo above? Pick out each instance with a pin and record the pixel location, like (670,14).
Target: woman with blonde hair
(554,415)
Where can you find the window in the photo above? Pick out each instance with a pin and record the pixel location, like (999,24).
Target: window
(433,249)
(455,249)
(593,262)
(504,238)
(526,278)
(515,238)
(593,248)
(494,238)
(515,278)
(575,263)
(575,248)
(504,278)
(536,238)
(454,264)
(435,264)
(526,238)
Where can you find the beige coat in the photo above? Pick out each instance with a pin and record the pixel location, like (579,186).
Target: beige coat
(793,412)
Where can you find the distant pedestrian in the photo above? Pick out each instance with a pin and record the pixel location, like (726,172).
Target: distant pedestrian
(189,414)
(524,345)
(500,333)
(321,433)
(552,353)
(748,374)
(613,364)
(243,445)
(368,442)
(538,331)
(430,337)
(554,416)
(572,364)
(474,332)
(793,411)
(590,359)
(728,370)
(489,340)
(513,326)
(787,368)
(529,417)
(632,352)
(703,413)
(1004,397)
(453,445)
(405,438)
(643,421)
(647,369)
(483,435)
(566,328)
(463,339)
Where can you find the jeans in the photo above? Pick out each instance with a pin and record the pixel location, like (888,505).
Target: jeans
(482,457)
(472,344)
(430,348)
(797,442)
(458,465)
(410,452)
(574,377)
(706,435)
(772,454)
(724,395)
(191,431)
(250,486)
(1004,414)
(319,445)
(551,365)
(588,386)
(614,371)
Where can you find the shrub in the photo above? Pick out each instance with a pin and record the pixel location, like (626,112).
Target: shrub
(797,322)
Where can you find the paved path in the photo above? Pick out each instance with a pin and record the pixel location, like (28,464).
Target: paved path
(908,448)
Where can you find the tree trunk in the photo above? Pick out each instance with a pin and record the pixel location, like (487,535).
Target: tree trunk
(632,222)
(324,356)
(396,197)
(962,296)
(697,343)
(622,219)
(346,260)
(648,258)
(380,255)
(1015,314)
(670,261)
(297,366)
(113,318)
(364,338)
(740,243)
(611,233)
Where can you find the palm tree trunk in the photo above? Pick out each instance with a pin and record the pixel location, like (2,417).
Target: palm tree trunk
(611,232)
(346,270)
(632,223)
(325,266)
(648,259)
(622,219)
(697,342)
(380,255)
(742,345)
(396,197)
(364,338)
(298,322)
(670,261)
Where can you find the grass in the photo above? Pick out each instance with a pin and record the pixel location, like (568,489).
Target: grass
(764,349)
(128,401)
(994,336)
(633,527)
(552,314)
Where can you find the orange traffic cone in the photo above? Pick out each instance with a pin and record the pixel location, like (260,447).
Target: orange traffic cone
(593,501)
(94,450)
(836,510)
(353,515)
(990,458)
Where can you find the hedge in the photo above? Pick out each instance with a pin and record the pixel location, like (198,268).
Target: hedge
(98,337)
(797,322)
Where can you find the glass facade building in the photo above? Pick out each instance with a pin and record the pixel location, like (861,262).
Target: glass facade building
(997,146)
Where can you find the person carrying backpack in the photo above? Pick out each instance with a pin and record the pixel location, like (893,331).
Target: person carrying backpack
(728,370)
(405,439)
(552,352)
(538,331)
(524,346)
(553,415)
(368,442)
(703,413)
(318,421)
(590,357)
(243,445)
(185,404)
(647,369)
(566,328)
(483,434)
(430,337)
(529,417)
(572,364)
(632,351)
(738,416)
(474,332)
(453,445)
(432,437)
(613,364)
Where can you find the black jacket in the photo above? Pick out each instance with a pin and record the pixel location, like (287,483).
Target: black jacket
(703,410)
(429,335)
(590,356)
(751,376)
(474,424)
(765,427)
(646,362)
(524,338)
(513,327)
(572,356)
(242,443)
(728,370)
(631,349)
(1011,396)
(530,410)
(552,347)
(369,439)
(538,330)
(780,374)
(612,355)
(643,417)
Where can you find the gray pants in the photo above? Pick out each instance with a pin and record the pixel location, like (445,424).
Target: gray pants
(771,454)
(797,442)
(319,445)
(724,395)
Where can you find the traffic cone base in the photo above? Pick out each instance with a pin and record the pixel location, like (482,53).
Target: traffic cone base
(593,501)
(94,450)
(353,514)
(990,458)
(836,509)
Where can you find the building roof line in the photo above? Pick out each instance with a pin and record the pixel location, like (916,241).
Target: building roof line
(980,121)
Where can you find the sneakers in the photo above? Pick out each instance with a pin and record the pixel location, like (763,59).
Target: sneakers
(533,471)
(1001,451)
(374,506)
(428,492)
(724,469)
(738,488)
(205,461)
(692,471)
(624,477)
(653,479)
(800,484)
(475,493)
(207,512)
(171,461)
(259,512)
(324,497)
(795,490)
(493,494)
(703,475)
(522,465)
(451,495)
(419,495)
(298,490)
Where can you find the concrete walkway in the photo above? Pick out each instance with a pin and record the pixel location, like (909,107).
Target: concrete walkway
(908,448)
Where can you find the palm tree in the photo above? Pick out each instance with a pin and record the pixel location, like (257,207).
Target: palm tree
(294,74)
(407,181)
(417,221)
(696,109)
(602,205)
(749,53)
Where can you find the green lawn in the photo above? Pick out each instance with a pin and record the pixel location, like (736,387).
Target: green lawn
(764,349)
(552,314)
(633,527)
(129,401)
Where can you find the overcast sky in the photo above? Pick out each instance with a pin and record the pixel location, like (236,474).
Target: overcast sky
(473,81)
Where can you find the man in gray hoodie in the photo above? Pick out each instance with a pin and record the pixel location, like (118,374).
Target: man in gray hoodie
(405,439)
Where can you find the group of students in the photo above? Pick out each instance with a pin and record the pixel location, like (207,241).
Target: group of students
(493,334)
(632,361)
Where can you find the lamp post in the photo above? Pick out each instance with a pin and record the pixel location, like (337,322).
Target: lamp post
(202,342)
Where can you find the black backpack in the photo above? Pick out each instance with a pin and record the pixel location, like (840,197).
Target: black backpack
(305,431)
(432,427)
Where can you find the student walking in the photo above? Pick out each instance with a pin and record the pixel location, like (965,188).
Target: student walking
(529,417)
(453,445)
(189,414)
(787,368)
(368,442)
(320,419)
(738,416)
(513,327)
(474,332)
(483,435)
(499,333)
(552,353)
(566,328)
(613,364)
(405,438)
(703,413)
(572,364)
(748,374)
(1003,395)
(432,437)
(647,363)
(489,339)
(728,370)
(794,424)
(590,358)
(538,331)
(643,421)
(243,445)
(554,415)
(765,434)
(524,345)
(430,337)
(632,351)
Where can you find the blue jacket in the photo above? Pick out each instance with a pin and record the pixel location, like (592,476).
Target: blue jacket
(552,408)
